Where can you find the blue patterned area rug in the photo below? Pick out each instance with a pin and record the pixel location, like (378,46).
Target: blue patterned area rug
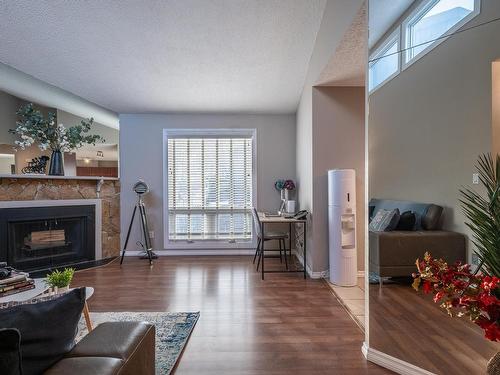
(172,332)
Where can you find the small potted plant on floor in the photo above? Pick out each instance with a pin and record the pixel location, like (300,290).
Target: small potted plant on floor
(59,281)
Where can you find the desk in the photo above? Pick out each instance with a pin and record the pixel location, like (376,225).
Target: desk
(280,220)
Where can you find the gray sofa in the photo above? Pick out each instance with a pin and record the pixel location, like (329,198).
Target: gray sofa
(393,254)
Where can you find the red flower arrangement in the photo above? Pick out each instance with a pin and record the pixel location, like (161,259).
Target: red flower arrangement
(462,293)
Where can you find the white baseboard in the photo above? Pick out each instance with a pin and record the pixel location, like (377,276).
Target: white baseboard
(392,363)
(312,275)
(194,252)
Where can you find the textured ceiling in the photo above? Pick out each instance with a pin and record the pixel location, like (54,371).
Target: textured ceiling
(383,14)
(150,56)
(348,63)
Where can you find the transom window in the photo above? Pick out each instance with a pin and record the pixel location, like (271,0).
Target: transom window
(210,185)
(385,64)
(424,28)
(432,20)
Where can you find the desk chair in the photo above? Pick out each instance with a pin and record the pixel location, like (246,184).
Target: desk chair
(268,236)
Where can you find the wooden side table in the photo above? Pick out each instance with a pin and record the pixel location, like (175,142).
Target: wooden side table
(89,291)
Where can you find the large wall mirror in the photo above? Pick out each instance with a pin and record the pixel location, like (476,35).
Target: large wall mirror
(434,109)
(99,159)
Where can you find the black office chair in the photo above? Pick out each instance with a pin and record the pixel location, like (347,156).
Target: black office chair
(268,236)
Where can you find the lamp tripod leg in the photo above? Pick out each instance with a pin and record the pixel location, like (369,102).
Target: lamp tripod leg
(128,234)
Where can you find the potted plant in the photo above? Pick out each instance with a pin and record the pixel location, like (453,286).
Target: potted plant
(33,127)
(59,280)
(455,287)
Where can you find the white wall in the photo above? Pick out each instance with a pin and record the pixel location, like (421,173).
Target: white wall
(141,156)
(34,90)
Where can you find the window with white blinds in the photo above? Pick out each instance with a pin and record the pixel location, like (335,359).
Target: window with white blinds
(210,184)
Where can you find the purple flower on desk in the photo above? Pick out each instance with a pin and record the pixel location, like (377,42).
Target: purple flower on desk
(289,185)
(284,185)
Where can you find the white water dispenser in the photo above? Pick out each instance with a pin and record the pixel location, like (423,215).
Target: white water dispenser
(342,226)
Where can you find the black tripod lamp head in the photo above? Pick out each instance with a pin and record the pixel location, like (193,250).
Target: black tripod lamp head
(140,188)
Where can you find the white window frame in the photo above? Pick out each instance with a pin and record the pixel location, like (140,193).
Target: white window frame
(206,244)
(394,37)
(417,13)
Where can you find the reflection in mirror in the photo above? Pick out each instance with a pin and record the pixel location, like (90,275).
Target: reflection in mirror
(88,159)
(430,118)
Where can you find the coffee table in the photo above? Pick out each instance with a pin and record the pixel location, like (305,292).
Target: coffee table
(42,288)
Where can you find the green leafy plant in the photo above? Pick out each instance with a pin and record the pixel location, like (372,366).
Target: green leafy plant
(483,214)
(60,279)
(33,127)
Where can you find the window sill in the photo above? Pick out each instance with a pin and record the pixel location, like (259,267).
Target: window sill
(208,245)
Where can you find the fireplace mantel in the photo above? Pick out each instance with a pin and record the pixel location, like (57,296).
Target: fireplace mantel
(47,177)
(31,176)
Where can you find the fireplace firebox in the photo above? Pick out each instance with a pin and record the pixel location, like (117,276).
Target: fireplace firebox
(42,238)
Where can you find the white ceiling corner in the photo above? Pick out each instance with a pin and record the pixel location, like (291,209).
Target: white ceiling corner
(166,56)
(382,15)
(348,63)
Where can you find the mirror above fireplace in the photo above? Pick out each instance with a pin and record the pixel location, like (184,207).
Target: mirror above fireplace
(99,160)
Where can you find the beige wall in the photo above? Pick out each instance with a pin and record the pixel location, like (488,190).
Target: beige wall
(495,107)
(339,142)
(428,125)
(111,135)
(336,19)
(8,106)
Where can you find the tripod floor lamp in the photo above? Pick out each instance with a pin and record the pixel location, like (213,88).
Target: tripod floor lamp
(141,189)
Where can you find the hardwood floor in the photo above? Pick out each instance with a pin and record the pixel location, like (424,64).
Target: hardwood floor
(411,327)
(282,325)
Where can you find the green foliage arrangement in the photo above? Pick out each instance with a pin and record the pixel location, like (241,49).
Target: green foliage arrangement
(33,127)
(60,279)
(483,214)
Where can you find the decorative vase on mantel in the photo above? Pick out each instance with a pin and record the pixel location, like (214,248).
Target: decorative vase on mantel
(56,167)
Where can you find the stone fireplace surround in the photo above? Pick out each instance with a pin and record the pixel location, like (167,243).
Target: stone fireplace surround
(45,188)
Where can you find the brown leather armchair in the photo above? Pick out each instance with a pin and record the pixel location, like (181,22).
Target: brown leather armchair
(124,348)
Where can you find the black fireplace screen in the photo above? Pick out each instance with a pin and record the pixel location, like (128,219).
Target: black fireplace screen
(36,238)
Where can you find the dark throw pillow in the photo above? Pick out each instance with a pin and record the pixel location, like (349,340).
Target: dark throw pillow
(370,213)
(47,325)
(407,221)
(10,352)
(385,220)
(432,218)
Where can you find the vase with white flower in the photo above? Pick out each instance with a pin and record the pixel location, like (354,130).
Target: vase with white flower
(33,128)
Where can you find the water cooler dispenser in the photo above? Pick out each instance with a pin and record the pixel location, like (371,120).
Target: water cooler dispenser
(342,226)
